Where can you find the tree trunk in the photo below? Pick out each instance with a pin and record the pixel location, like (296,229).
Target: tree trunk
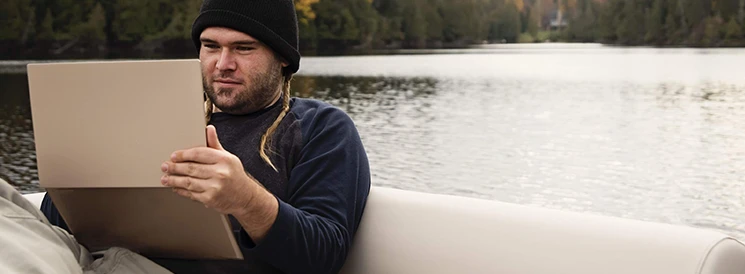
(29,26)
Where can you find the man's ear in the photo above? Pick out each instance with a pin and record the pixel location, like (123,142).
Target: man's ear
(281,60)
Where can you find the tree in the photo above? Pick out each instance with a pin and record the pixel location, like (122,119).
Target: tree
(582,26)
(46,29)
(727,9)
(18,18)
(179,25)
(631,28)
(305,13)
(306,20)
(696,11)
(508,26)
(92,29)
(415,25)
(711,31)
(655,23)
(433,19)
(675,25)
(533,21)
(391,19)
(335,22)
(608,20)
(733,30)
(135,20)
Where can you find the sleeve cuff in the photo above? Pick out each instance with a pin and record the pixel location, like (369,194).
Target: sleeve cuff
(277,236)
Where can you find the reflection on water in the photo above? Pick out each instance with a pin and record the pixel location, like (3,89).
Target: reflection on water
(17,156)
(662,152)
(588,133)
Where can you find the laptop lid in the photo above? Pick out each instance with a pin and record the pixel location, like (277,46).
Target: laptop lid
(102,130)
(113,123)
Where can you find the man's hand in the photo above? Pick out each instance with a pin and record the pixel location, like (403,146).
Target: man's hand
(216,178)
(210,175)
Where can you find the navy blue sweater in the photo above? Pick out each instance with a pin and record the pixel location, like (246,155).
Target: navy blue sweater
(322,187)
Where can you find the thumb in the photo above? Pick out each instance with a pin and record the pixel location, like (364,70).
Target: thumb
(212,140)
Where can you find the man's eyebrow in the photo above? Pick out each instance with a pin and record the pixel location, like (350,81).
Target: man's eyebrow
(244,43)
(235,43)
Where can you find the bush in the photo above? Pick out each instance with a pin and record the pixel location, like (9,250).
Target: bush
(525,38)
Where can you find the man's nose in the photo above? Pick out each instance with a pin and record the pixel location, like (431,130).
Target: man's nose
(226,61)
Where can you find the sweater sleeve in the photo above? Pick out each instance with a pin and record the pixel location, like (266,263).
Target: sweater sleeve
(327,190)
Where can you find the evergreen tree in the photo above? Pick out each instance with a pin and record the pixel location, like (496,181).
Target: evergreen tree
(655,23)
(631,28)
(92,30)
(711,32)
(533,21)
(696,11)
(727,9)
(733,31)
(17,18)
(433,19)
(415,25)
(46,29)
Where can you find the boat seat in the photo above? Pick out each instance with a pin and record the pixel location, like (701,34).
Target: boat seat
(411,232)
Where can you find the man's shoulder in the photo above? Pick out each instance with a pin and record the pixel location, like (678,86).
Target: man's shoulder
(313,110)
(316,116)
(308,104)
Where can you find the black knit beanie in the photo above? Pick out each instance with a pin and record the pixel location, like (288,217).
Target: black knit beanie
(273,22)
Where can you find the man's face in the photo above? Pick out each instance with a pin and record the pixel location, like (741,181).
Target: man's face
(239,73)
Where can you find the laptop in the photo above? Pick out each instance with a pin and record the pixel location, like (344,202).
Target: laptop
(102,129)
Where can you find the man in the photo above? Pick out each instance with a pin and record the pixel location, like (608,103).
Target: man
(292,173)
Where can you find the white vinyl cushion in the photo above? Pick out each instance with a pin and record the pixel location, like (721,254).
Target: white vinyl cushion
(411,232)
(35,198)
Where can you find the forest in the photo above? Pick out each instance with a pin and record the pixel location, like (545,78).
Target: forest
(53,29)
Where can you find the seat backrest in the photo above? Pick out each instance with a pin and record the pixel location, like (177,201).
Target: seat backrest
(410,232)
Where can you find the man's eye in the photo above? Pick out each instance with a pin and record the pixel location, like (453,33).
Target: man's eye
(244,48)
(211,46)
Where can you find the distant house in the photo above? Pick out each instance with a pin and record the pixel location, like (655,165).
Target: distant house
(556,21)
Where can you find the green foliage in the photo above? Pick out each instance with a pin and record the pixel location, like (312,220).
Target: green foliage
(711,31)
(655,23)
(732,30)
(366,24)
(526,38)
(135,20)
(663,22)
(16,17)
(533,21)
(583,27)
(46,29)
(508,25)
(92,29)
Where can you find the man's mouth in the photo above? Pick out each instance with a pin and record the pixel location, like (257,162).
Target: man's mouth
(228,81)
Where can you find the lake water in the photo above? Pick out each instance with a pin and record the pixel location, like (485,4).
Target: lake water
(642,133)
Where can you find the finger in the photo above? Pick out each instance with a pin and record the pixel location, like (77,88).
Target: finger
(202,155)
(184,193)
(183,182)
(191,169)
(202,197)
(212,140)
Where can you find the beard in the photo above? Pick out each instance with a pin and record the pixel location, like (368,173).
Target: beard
(245,99)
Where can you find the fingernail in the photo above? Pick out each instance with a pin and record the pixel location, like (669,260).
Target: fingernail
(164,167)
(173,156)
(164,179)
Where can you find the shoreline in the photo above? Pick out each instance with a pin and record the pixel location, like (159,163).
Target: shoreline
(19,66)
